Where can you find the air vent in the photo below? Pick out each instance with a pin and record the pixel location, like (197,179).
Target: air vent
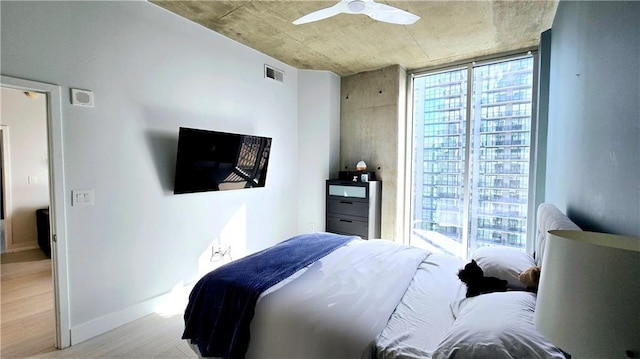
(273,73)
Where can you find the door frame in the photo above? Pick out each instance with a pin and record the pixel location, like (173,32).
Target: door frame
(57,212)
(6,188)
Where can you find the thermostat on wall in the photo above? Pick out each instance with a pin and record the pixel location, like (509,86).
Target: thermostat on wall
(81,98)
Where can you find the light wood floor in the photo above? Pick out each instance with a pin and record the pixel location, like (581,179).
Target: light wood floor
(28,322)
(152,336)
(26,289)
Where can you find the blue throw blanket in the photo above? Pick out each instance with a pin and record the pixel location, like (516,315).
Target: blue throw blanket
(222,303)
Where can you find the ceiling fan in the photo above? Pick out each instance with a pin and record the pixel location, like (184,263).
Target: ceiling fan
(376,11)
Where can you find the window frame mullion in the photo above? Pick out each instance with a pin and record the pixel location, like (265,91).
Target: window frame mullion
(533,159)
(467,162)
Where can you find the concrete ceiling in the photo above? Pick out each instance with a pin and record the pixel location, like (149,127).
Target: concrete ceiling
(448,31)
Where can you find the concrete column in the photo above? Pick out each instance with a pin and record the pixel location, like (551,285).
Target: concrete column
(372,122)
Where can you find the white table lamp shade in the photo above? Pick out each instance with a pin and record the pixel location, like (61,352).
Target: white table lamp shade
(588,300)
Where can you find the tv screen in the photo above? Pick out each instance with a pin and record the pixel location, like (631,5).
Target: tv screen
(218,161)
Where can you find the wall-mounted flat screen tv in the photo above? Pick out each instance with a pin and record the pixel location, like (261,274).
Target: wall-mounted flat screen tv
(218,161)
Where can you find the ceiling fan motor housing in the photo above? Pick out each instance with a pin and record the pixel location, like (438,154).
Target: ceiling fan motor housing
(356,6)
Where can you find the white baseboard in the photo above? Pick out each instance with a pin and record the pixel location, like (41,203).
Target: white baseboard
(95,327)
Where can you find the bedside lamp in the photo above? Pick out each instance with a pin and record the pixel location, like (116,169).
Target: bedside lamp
(588,300)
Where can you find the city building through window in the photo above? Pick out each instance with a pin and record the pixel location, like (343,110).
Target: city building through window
(472,128)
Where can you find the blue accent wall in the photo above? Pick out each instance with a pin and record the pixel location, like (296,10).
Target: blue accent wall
(593,143)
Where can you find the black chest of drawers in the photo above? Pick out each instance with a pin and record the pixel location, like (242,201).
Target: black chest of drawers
(353,208)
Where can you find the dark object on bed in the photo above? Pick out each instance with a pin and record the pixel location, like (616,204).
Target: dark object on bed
(42,225)
(473,276)
(222,304)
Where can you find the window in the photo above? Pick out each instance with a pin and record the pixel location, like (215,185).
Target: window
(470,181)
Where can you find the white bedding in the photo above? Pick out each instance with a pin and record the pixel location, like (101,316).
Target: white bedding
(423,316)
(338,306)
(380,299)
(496,326)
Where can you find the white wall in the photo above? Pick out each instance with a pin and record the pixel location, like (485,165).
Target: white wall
(319,144)
(152,72)
(26,120)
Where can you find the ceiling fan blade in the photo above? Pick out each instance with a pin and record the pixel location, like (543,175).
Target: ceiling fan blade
(390,14)
(322,13)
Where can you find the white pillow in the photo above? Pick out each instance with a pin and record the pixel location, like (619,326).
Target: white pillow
(505,263)
(496,325)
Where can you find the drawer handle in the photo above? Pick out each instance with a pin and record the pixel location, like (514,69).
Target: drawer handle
(346,202)
(346,220)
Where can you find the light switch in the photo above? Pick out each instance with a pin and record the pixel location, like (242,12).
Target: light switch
(82,198)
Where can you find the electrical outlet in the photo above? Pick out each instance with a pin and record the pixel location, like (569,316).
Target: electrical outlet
(312,227)
(219,253)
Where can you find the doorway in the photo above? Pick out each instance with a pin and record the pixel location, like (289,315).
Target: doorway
(25,168)
(27,286)
(57,206)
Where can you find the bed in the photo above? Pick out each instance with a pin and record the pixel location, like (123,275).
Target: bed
(367,299)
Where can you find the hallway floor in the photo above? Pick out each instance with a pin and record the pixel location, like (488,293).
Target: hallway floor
(27,304)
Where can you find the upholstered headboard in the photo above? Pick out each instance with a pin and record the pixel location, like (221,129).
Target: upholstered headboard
(549,218)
